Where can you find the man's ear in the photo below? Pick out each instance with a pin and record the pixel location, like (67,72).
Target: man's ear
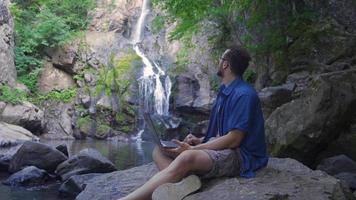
(225,64)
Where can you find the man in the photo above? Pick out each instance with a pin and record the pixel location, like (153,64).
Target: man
(233,146)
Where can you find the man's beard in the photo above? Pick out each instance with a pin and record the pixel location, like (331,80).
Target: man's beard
(220,73)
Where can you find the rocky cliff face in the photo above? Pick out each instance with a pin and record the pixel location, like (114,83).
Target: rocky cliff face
(7,64)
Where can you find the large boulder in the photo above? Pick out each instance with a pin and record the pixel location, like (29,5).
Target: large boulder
(29,176)
(75,184)
(36,154)
(64,57)
(302,128)
(85,162)
(58,120)
(6,158)
(25,115)
(7,63)
(281,179)
(193,94)
(349,178)
(337,164)
(273,97)
(52,78)
(11,135)
(117,184)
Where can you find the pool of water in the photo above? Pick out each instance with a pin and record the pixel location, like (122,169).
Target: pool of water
(123,155)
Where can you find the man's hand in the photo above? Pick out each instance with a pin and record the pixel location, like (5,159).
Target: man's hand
(183,146)
(192,140)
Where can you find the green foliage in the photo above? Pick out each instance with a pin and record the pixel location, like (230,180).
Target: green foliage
(12,96)
(250,76)
(188,13)
(41,24)
(278,23)
(157,24)
(117,75)
(65,96)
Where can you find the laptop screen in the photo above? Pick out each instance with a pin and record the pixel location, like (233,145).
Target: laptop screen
(152,128)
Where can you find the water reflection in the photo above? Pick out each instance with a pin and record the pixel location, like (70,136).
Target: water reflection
(123,155)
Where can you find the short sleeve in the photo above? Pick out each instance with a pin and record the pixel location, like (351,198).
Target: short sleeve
(242,112)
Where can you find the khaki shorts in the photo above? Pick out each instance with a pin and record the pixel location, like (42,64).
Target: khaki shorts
(225,163)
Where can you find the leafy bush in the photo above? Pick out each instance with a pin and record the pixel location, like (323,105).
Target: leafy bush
(65,96)
(157,24)
(12,96)
(43,24)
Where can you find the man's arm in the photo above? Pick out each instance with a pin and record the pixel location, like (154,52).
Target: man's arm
(231,140)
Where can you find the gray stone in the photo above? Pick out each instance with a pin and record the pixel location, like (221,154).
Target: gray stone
(337,164)
(52,78)
(6,158)
(11,135)
(64,57)
(25,115)
(29,176)
(355,194)
(282,178)
(85,162)
(349,178)
(58,120)
(36,154)
(117,184)
(302,128)
(63,148)
(7,63)
(191,96)
(273,97)
(75,184)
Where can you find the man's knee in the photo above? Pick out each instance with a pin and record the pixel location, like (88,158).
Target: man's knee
(157,153)
(186,159)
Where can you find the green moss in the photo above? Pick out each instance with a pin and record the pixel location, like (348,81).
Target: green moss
(84,124)
(103,130)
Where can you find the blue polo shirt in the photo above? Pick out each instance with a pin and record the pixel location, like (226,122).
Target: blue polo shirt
(238,106)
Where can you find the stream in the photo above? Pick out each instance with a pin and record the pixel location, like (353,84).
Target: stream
(123,155)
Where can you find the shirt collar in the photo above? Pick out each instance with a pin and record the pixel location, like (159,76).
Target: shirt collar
(226,90)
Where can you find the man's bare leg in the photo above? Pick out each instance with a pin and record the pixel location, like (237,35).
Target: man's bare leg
(161,160)
(189,161)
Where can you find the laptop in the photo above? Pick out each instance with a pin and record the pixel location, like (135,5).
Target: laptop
(154,133)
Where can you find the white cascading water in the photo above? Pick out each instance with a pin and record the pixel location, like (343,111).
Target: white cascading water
(151,86)
(154,84)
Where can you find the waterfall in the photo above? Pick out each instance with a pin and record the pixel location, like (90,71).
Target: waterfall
(154,84)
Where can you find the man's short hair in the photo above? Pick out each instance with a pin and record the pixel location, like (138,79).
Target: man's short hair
(238,58)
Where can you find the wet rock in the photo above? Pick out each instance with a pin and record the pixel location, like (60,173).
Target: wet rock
(285,177)
(7,63)
(303,127)
(29,176)
(25,115)
(52,78)
(85,162)
(75,184)
(273,97)
(349,178)
(63,148)
(6,158)
(337,164)
(11,135)
(58,120)
(36,154)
